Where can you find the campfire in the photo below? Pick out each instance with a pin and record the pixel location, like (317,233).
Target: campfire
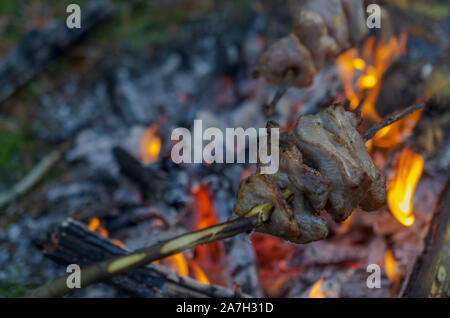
(171,229)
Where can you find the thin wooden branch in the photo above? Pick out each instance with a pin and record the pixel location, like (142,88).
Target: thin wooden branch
(257,216)
(102,271)
(370,133)
(419,282)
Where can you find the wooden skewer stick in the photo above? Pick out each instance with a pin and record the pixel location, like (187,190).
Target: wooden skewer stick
(370,132)
(260,214)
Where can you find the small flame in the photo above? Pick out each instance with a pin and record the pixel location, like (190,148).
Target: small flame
(150,145)
(204,208)
(177,263)
(348,63)
(344,227)
(369,79)
(316,289)
(183,267)
(367,71)
(94,226)
(401,187)
(390,266)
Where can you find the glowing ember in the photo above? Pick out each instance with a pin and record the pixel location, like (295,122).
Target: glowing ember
(94,223)
(207,258)
(150,145)
(316,290)
(390,266)
(401,187)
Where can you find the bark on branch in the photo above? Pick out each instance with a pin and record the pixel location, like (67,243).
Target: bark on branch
(102,271)
(39,48)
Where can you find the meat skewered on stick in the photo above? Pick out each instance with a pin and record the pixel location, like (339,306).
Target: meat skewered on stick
(256,217)
(321,30)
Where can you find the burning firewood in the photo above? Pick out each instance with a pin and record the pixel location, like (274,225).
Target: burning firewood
(256,217)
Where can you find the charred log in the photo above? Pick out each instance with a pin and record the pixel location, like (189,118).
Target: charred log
(420,280)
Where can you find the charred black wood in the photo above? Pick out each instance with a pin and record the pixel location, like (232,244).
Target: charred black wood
(73,243)
(39,48)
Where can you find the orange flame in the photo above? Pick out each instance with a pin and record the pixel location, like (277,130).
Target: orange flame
(204,208)
(390,266)
(150,145)
(183,267)
(367,71)
(401,187)
(206,257)
(273,255)
(94,226)
(316,290)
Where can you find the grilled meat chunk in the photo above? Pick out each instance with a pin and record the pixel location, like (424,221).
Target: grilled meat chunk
(330,140)
(337,120)
(322,29)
